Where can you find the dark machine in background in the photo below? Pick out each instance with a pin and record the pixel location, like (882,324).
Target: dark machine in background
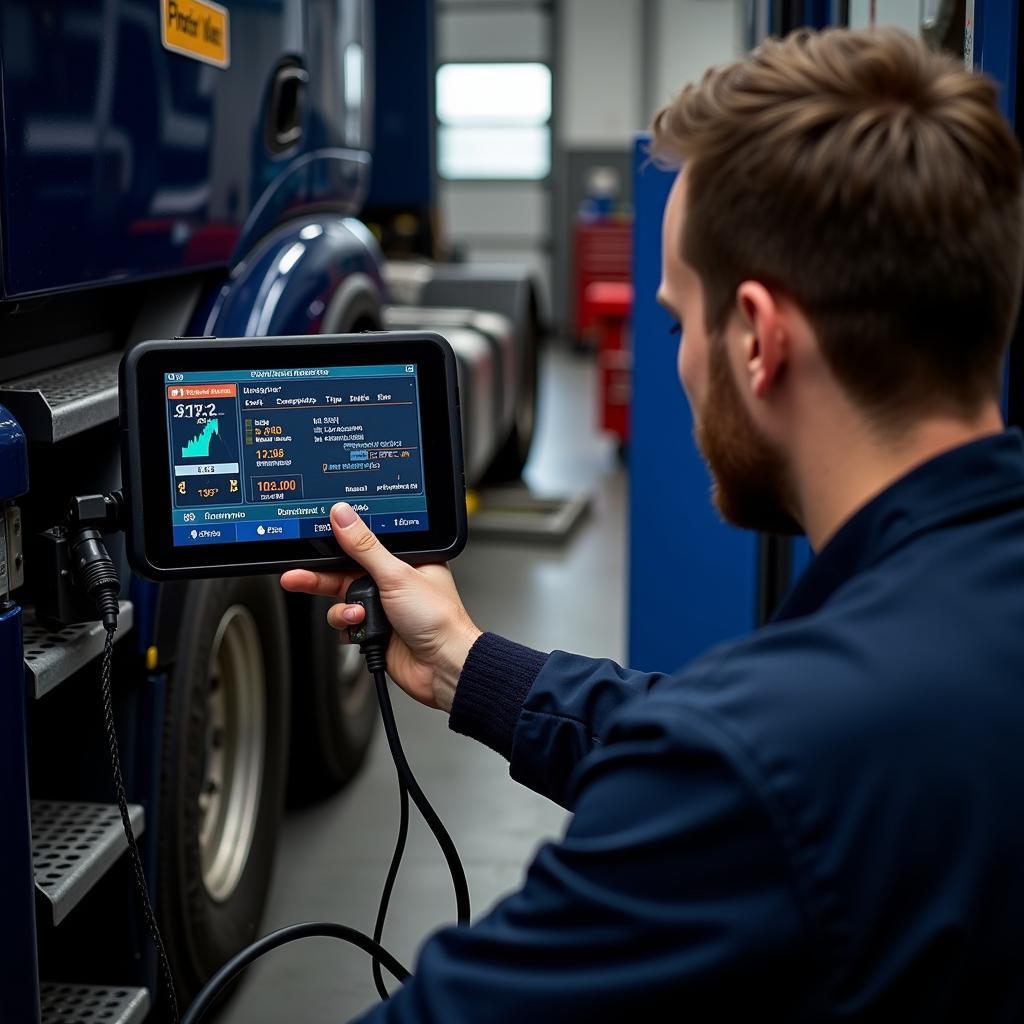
(151,191)
(498,355)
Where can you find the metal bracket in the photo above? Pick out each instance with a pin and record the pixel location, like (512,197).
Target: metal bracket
(12,558)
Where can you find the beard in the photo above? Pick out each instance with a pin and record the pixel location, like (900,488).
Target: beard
(750,483)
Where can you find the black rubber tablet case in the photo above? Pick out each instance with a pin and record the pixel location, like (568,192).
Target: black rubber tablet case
(145,452)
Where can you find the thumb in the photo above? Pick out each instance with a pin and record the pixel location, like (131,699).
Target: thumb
(358,541)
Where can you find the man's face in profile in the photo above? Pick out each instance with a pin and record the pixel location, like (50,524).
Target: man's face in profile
(748,472)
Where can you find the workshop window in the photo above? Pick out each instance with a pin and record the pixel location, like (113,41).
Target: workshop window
(494,121)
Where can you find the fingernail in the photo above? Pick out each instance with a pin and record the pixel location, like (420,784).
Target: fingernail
(350,614)
(343,514)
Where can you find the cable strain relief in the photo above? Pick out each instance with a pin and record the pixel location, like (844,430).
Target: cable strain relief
(100,578)
(375,657)
(107,605)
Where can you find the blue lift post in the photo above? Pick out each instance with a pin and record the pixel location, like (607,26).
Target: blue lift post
(19,970)
(691,577)
(990,45)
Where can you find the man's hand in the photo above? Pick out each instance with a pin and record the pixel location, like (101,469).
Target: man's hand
(432,631)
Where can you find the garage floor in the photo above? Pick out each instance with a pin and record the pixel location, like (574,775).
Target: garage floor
(333,857)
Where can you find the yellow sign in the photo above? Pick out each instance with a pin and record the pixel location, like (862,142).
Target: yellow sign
(196,29)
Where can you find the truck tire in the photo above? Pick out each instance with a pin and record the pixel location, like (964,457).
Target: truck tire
(334,713)
(510,459)
(224,767)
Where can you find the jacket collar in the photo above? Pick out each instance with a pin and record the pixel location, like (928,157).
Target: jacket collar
(972,481)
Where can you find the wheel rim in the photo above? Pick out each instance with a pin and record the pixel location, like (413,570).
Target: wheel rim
(353,683)
(235,746)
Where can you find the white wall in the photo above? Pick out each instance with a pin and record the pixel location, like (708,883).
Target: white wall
(691,36)
(599,73)
(609,59)
(904,13)
(481,34)
(497,221)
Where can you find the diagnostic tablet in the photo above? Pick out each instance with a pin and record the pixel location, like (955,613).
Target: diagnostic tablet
(235,449)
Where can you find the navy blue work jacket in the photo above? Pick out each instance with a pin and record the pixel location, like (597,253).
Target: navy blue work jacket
(823,821)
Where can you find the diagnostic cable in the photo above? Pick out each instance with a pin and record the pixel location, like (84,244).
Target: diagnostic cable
(94,571)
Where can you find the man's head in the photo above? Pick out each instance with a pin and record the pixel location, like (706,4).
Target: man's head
(848,218)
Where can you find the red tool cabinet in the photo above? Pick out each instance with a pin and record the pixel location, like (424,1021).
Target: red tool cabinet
(611,304)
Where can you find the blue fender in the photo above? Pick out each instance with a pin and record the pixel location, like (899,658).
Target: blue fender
(319,275)
(13,457)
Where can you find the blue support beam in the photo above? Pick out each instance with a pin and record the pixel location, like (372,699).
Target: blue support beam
(992,47)
(691,578)
(819,13)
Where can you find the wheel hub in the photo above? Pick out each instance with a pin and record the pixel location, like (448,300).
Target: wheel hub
(234,748)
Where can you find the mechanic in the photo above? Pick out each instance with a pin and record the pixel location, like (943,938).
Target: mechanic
(823,820)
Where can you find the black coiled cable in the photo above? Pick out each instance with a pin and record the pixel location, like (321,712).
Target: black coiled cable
(309,929)
(96,568)
(408,786)
(389,883)
(106,696)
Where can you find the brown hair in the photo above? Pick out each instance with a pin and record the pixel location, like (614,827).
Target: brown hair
(876,184)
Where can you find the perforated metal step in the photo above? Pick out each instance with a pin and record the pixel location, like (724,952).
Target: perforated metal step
(65,401)
(73,846)
(50,657)
(92,1004)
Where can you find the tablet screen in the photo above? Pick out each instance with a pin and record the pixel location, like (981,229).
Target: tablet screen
(260,455)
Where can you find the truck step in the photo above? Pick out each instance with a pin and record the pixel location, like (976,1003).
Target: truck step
(73,846)
(59,403)
(92,1004)
(51,657)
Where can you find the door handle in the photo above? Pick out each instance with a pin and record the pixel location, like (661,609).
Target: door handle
(286,107)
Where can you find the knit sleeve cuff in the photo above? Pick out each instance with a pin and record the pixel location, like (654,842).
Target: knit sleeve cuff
(493,685)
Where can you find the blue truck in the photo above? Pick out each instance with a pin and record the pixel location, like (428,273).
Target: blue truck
(183,168)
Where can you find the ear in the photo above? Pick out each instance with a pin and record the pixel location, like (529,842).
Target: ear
(766,341)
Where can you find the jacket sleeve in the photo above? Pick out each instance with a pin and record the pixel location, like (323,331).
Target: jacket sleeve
(671,888)
(544,712)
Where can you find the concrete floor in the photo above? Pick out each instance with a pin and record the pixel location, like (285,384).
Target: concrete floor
(333,857)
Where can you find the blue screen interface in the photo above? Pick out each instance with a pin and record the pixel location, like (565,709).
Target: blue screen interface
(261,455)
